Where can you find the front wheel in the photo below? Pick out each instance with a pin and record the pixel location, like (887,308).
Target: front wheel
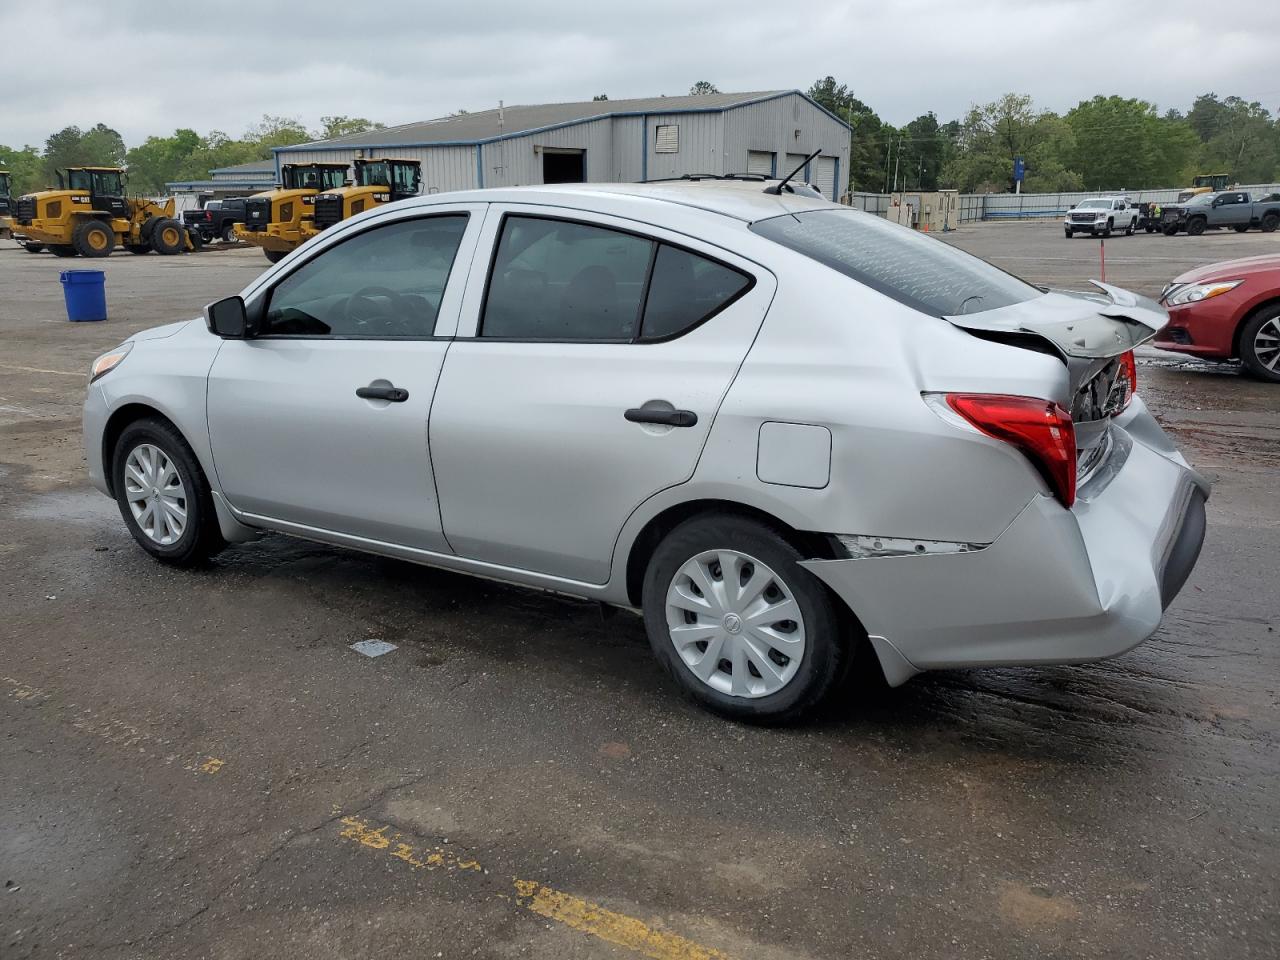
(740,625)
(229,233)
(1068,232)
(1260,345)
(163,495)
(1171,230)
(1196,227)
(1129,230)
(166,236)
(1106,231)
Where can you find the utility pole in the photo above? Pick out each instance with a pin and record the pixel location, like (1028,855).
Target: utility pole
(896,160)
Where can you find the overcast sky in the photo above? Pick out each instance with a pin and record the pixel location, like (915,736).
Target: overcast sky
(144,66)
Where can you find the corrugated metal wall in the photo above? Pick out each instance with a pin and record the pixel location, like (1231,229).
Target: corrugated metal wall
(786,125)
(518,162)
(701,145)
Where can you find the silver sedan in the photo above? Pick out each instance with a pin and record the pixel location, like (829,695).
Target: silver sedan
(778,427)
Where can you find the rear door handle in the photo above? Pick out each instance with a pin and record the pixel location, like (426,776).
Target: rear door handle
(663,415)
(394,394)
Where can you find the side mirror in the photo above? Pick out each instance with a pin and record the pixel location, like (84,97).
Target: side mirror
(227,318)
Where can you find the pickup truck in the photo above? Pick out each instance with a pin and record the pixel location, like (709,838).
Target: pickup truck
(217,219)
(1100,215)
(1211,211)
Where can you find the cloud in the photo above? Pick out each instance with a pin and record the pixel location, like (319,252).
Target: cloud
(149,67)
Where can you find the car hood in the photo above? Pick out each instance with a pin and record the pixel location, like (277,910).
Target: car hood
(159,333)
(1231,270)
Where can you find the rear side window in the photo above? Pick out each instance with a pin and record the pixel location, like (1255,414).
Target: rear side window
(685,290)
(555,280)
(918,271)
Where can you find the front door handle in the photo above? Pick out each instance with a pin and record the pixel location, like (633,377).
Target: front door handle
(665,415)
(394,394)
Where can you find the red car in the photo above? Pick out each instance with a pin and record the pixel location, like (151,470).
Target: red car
(1227,310)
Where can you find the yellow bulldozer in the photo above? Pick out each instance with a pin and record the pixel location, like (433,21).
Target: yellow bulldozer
(280,219)
(6,207)
(1205,183)
(377,181)
(88,215)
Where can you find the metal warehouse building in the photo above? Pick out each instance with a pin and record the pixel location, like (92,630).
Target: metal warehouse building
(767,132)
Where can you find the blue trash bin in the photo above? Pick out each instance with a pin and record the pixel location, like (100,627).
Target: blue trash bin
(85,292)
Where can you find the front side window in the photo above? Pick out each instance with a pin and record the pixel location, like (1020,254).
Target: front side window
(383,282)
(107,183)
(375,175)
(79,180)
(918,271)
(555,280)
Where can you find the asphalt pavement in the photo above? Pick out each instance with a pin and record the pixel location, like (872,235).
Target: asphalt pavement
(197,764)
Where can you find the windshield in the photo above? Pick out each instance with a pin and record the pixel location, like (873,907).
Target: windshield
(925,274)
(1094,205)
(313,178)
(1201,200)
(374,174)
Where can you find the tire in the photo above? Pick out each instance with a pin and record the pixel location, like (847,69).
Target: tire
(1260,344)
(138,248)
(275,256)
(62,250)
(784,689)
(1171,230)
(1106,231)
(1195,226)
(1150,229)
(197,239)
(93,238)
(1270,222)
(199,537)
(229,233)
(1241,228)
(32,247)
(166,236)
(1069,232)
(1131,229)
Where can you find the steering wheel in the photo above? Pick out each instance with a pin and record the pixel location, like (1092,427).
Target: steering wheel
(395,314)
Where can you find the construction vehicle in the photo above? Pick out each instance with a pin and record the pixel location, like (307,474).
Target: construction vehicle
(6,224)
(279,220)
(1205,183)
(88,215)
(377,181)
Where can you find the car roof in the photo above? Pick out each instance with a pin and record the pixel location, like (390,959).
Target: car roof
(744,200)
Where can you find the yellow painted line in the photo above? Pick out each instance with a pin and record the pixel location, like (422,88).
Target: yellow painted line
(574,912)
(617,928)
(61,373)
(118,732)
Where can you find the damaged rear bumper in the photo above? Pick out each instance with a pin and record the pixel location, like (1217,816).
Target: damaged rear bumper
(1057,586)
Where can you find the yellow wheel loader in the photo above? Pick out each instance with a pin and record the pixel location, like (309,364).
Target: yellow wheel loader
(280,220)
(377,181)
(89,216)
(6,224)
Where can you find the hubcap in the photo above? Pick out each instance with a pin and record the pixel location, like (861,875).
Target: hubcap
(156,496)
(1266,344)
(735,624)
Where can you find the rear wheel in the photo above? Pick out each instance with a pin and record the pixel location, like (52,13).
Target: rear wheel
(740,625)
(163,495)
(1196,226)
(94,239)
(229,233)
(1260,345)
(62,250)
(1270,222)
(1133,225)
(275,256)
(166,236)
(32,247)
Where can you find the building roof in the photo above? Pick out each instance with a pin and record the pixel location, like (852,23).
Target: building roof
(500,124)
(253,166)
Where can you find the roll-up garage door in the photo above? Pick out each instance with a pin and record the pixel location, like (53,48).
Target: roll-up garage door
(760,161)
(824,176)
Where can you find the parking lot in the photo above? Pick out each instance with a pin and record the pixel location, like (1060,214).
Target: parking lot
(196,764)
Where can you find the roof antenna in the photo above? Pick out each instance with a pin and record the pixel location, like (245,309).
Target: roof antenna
(787,179)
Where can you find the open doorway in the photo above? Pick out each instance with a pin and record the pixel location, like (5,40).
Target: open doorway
(564,166)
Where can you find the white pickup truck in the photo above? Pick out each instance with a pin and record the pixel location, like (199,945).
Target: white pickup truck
(1099,216)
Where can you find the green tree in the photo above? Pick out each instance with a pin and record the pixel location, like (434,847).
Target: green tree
(331,127)
(991,136)
(600,96)
(1124,143)
(703,87)
(160,160)
(25,167)
(871,136)
(277,132)
(1239,138)
(99,146)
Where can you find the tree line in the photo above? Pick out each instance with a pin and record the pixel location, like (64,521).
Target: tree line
(1104,143)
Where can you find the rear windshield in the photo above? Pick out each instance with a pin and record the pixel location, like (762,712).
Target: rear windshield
(916,270)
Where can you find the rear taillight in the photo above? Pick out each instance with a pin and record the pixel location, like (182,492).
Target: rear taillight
(1041,429)
(208,215)
(1129,366)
